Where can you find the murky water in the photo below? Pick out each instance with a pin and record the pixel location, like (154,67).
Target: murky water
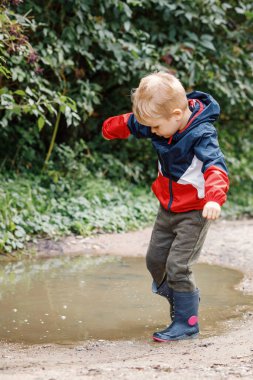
(73,299)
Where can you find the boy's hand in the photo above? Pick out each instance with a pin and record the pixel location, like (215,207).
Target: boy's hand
(211,210)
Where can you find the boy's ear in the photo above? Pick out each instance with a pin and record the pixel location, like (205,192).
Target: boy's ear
(177,113)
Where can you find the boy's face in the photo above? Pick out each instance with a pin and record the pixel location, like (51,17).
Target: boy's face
(165,127)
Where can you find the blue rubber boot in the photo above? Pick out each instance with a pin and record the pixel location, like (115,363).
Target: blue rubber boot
(185,322)
(165,291)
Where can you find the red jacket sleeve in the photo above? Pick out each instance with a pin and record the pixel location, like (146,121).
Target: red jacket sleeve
(116,127)
(216,185)
(214,167)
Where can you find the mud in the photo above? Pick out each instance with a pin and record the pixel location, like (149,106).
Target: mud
(228,356)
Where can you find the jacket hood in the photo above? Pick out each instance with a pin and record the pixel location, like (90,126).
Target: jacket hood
(205,109)
(206,106)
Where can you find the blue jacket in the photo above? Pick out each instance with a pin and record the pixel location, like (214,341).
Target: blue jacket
(191,166)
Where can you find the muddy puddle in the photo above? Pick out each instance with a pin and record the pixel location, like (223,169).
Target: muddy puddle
(66,300)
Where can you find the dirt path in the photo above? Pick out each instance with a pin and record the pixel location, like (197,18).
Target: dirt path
(229,356)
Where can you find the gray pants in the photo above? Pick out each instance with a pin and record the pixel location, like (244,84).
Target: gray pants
(176,242)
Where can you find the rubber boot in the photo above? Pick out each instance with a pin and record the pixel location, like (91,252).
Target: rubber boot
(185,322)
(165,291)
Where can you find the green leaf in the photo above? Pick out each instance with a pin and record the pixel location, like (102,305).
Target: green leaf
(207,44)
(41,122)
(127,26)
(29,91)
(19,232)
(20,92)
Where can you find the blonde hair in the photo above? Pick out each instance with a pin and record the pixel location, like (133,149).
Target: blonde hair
(157,95)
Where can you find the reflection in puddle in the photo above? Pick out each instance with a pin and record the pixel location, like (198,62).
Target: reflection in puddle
(66,300)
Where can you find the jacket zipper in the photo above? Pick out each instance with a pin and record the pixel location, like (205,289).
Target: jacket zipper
(171,194)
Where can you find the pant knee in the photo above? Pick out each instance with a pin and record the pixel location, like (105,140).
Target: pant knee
(180,278)
(156,268)
(151,263)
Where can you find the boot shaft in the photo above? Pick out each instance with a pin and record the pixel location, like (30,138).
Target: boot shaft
(163,290)
(185,321)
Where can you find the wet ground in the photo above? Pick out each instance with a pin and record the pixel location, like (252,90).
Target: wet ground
(67,300)
(228,355)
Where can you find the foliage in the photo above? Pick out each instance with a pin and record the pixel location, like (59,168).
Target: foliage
(32,206)
(13,36)
(15,46)
(94,52)
(239,157)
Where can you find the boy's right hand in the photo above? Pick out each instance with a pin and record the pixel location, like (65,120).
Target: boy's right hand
(116,127)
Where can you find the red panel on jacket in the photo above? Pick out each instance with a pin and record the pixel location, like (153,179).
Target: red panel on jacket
(160,188)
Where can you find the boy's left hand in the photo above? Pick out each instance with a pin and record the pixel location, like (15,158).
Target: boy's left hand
(211,210)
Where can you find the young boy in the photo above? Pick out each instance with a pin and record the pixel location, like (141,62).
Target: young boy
(191,186)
